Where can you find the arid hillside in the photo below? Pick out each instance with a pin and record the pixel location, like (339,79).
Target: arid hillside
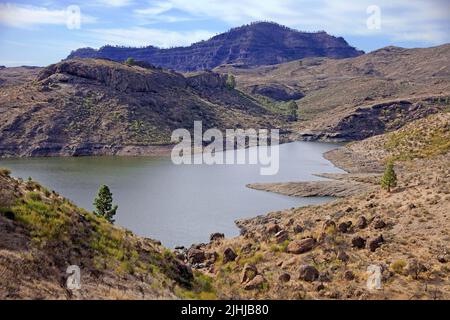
(42,234)
(324,252)
(101,107)
(340,99)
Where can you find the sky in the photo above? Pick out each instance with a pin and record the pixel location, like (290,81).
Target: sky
(42,32)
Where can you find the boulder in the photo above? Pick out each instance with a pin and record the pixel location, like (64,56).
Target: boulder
(256,283)
(375,243)
(246,248)
(248,273)
(344,226)
(281,236)
(284,277)
(349,275)
(229,255)
(211,256)
(298,228)
(216,236)
(272,228)
(343,256)
(301,246)
(328,224)
(379,224)
(319,287)
(308,273)
(195,256)
(361,223)
(358,242)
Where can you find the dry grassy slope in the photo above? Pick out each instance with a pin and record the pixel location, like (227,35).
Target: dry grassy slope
(83,107)
(41,234)
(342,86)
(415,254)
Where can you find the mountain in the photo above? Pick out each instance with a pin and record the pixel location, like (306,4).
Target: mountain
(353,98)
(101,107)
(256,44)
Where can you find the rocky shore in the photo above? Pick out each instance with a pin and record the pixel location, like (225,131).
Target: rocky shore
(329,251)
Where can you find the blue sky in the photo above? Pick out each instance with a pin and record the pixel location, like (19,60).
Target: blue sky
(44,32)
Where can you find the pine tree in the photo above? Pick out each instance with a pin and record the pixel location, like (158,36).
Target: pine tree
(231,82)
(130,62)
(103,204)
(389,179)
(293,110)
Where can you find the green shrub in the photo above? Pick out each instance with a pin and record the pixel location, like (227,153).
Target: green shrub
(130,62)
(231,82)
(389,179)
(398,266)
(103,204)
(35,196)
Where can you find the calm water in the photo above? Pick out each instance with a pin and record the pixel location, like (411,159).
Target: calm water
(178,205)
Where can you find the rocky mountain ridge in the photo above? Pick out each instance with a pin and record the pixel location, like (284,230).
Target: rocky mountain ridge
(257,44)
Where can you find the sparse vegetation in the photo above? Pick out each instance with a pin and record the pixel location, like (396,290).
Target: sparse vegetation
(231,82)
(398,266)
(389,179)
(293,110)
(130,62)
(103,204)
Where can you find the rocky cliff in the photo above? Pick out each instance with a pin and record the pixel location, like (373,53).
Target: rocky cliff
(251,45)
(94,106)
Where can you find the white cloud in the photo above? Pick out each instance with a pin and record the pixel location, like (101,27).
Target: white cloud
(412,20)
(25,16)
(139,36)
(114,3)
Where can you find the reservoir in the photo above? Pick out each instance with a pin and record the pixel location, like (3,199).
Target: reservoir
(178,204)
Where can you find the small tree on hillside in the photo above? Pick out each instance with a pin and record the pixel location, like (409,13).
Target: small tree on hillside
(231,82)
(389,179)
(130,62)
(293,110)
(103,204)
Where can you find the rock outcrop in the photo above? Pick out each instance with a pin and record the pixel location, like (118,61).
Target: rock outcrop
(261,43)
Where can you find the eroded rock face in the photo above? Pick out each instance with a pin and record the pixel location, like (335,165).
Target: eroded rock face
(277,92)
(380,118)
(120,77)
(262,43)
(301,246)
(88,107)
